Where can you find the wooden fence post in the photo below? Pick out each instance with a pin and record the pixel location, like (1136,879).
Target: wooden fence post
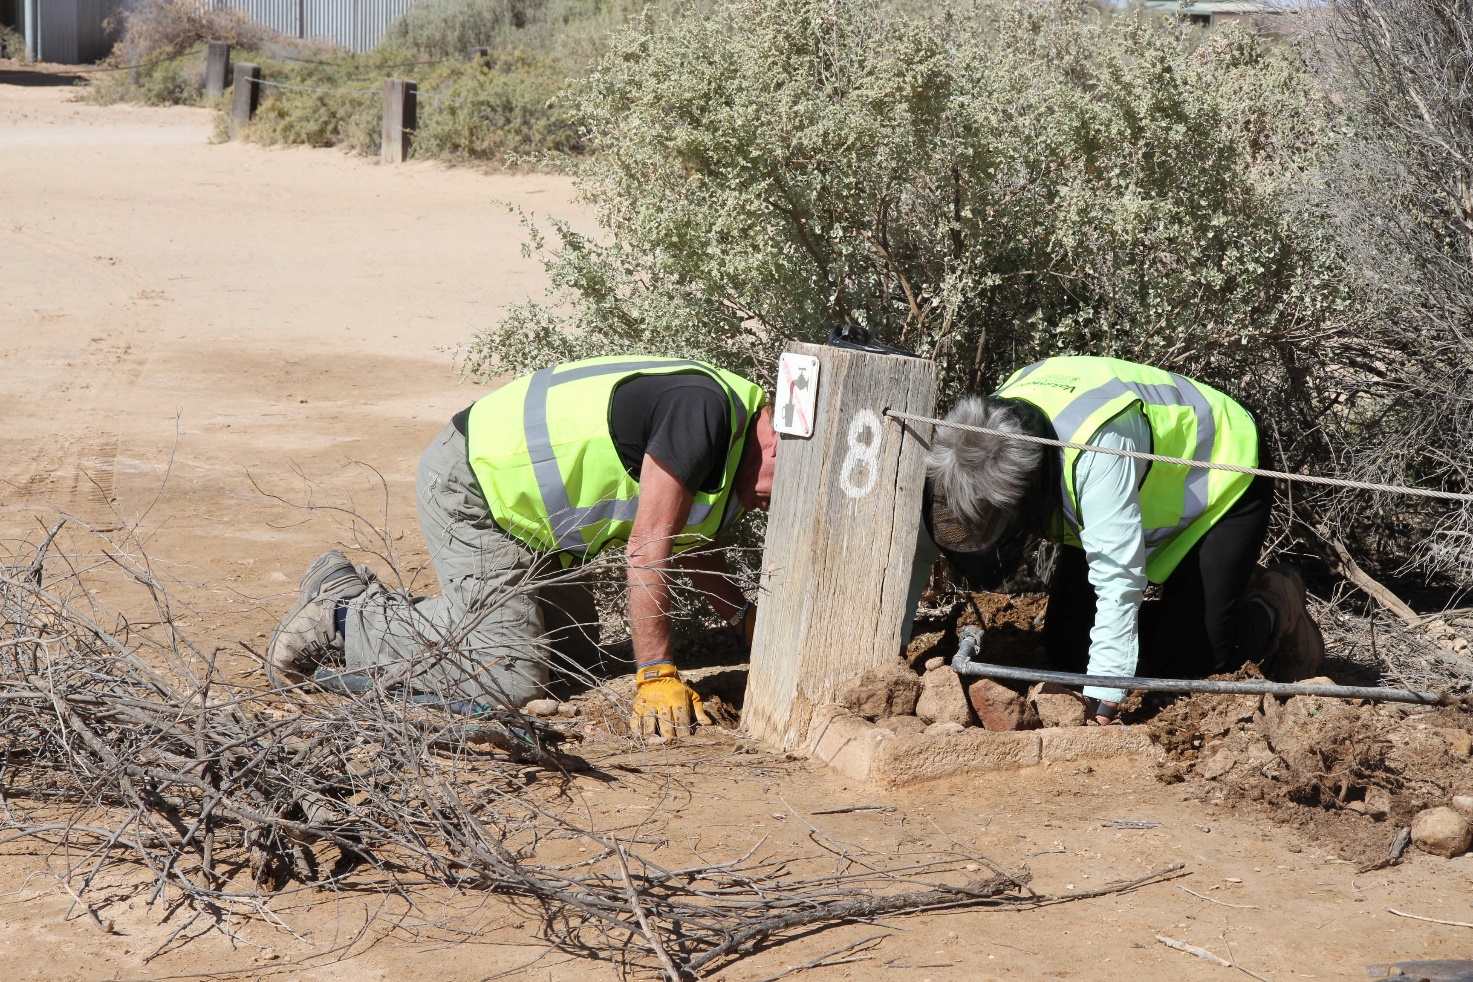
(841,537)
(245,95)
(400,119)
(217,68)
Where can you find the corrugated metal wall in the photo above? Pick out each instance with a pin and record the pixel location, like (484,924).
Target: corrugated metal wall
(70,32)
(354,24)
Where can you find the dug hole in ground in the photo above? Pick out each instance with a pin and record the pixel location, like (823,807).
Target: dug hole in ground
(201,339)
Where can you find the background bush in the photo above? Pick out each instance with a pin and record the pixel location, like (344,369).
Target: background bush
(987,185)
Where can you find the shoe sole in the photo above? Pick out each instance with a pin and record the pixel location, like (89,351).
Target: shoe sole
(317,576)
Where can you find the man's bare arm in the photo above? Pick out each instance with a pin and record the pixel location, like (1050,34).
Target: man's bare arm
(710,573)
(664,507)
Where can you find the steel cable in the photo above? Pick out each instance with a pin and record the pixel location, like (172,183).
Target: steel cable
(1337,482)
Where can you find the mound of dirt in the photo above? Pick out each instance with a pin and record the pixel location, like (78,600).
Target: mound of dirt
(1347,774)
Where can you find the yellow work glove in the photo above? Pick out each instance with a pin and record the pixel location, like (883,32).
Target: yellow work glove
(664,705)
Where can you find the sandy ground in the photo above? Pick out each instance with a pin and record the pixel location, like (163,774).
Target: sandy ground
(198,339)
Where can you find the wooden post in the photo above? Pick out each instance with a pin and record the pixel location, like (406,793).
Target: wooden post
(245,94)
(400,118)
(217,68)
(841,537)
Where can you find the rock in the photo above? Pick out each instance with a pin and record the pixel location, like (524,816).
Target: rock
(934,663)
(890,690)
(543,708)
(1000,708)
(902,725)
(1216,766)
(1376,806)
(942,698)
(1463,805)
(1058,706)
(944,728)
(1442,832)
(1461,741)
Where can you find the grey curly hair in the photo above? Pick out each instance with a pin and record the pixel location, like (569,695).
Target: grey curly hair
(982,477)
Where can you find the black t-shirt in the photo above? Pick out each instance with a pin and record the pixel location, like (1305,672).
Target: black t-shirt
(683,421)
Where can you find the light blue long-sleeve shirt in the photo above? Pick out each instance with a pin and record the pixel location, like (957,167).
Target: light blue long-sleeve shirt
(1108,491)
(1108,488)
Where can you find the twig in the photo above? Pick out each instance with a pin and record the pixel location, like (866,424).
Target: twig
(820,961)
(1430,920)
(644,922)
(1192,949)
(1220,903)
(1374,588)
(854,808)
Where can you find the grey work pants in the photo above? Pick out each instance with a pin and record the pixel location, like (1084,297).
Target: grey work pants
(488,637)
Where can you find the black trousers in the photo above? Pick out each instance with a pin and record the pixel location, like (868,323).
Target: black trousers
(1198,627)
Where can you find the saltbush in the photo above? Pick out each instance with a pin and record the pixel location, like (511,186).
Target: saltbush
(987,184)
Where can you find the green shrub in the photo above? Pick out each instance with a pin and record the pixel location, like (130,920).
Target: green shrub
(993,184)
(448,28)
(490,112)
(12,43)
(177,81)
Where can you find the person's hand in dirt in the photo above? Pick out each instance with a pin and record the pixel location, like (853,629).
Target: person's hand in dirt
(665,706)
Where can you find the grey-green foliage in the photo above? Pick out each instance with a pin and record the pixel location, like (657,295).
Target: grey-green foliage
(986,183)
(447,28)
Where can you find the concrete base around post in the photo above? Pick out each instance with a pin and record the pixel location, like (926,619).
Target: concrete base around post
(862,751)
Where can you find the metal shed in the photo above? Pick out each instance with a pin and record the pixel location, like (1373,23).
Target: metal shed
(69,32)
(357,25)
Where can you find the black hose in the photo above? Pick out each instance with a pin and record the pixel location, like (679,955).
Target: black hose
(964,664)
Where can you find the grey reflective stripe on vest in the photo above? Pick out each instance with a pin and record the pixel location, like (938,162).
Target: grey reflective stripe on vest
(1182,393)
(567,521)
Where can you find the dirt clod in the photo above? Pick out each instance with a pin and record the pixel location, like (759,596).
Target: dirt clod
(1058,706)
(1442,832)
(1000,708)
(891,690)
(902,725)
(943,700)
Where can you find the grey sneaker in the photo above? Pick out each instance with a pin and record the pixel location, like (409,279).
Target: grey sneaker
(307,633)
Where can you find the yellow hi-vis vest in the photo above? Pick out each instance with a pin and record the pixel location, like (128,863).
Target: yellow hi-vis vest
(541,450)
(1188,420)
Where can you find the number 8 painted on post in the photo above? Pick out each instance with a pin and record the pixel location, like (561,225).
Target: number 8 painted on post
(864,452)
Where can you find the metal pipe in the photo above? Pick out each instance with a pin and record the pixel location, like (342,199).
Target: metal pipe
(971,637)
(31,12)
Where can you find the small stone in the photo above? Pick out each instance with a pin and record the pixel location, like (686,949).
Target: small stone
(1000,708)
(902,725)
(1058,706)
(543,708)
(1463,805)
(1377,804)
(890,690)
(1442,832)
(943,700)
(934,663)
(1460,741)
(945,727)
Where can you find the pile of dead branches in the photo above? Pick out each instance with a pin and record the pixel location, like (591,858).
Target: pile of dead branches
(129,748)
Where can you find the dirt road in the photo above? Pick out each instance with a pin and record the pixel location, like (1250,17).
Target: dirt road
(198,338)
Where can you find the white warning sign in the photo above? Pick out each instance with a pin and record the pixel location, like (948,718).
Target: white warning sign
(797,395)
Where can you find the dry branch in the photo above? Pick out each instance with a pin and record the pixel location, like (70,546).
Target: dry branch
(138,754)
